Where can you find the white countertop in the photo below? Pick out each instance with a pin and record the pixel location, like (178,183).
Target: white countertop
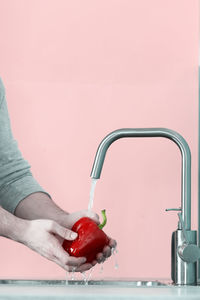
(98,292)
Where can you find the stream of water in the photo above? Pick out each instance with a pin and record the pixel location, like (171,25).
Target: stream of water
(70,276)
(92,189)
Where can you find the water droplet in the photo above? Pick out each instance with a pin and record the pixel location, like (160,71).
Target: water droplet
(116,266)
(101,268)
(114,251)
(67,278)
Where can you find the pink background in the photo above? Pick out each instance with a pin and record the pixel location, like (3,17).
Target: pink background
(76,70)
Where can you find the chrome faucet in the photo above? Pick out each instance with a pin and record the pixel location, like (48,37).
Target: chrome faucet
(185,252)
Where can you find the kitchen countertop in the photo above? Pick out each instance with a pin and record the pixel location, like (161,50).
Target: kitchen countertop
(97,292)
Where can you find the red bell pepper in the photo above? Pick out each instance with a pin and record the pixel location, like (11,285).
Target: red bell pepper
(91,239)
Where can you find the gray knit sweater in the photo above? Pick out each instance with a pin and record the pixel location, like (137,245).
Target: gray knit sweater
(16,179)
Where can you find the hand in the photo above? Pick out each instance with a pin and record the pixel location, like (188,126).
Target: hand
(70,219)
(46,238)
(107,251)
(39,206)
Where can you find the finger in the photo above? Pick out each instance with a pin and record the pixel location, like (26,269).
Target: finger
(65,267)
(70,261)
(84,267)
(65,258)
(94,263)
(75,261)
(99,258)
(59,238)
(112,243)
(107,251)
(65,233)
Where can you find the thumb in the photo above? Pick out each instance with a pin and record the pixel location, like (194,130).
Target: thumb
(64,232)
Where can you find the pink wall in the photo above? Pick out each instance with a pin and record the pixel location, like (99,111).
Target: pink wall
(76,70)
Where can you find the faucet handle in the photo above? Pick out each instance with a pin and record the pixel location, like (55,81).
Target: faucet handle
(189,253)
(173,209)
(176,209)
(181,224)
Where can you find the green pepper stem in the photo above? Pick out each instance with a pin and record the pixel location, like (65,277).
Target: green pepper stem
(103,212)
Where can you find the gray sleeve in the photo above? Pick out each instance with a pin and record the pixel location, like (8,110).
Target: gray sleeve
(16,179)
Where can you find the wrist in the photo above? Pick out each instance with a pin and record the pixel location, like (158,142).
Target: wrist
(19,230)
(11,226)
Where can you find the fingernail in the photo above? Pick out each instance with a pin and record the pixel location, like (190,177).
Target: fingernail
(74,235)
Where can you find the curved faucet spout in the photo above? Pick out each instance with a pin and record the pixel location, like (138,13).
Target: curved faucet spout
(153,132)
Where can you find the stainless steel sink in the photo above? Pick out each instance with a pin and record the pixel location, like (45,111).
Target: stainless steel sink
(118,283)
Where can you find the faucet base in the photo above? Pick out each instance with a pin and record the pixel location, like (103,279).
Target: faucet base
(183,273)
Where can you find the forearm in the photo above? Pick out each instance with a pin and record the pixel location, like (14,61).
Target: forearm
(11,226)
(16,179)
(39,206)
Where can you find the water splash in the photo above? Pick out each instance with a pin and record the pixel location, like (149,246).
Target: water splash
(92,189)
(84,278)
(90,274)
(87,277)
(73,274)
(70,276)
